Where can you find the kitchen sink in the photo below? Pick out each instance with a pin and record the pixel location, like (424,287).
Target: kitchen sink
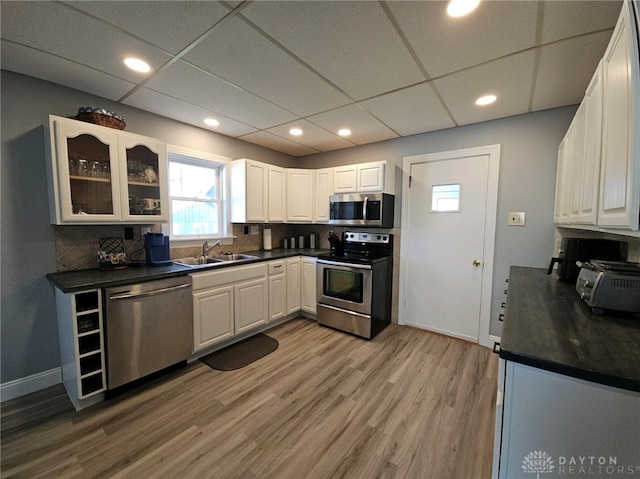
(234,257)
(204,260)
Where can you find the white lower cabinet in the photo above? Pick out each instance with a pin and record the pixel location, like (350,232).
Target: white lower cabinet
(293,284)
(228,302)
(277,290)
(308,292)
(81,336)
(235,300)
(555,420)
(213,316)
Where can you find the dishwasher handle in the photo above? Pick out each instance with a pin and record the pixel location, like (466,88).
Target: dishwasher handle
(154,292)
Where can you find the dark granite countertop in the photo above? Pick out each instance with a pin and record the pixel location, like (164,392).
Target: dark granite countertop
(73,281)
(548,326)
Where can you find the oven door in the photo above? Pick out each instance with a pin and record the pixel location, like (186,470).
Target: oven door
(344,285)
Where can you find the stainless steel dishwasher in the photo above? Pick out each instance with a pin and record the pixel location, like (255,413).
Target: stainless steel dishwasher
(148,328)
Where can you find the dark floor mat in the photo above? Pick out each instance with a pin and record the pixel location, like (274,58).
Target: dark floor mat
(241,354)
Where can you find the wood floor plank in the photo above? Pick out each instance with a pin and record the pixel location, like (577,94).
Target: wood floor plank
(324,405)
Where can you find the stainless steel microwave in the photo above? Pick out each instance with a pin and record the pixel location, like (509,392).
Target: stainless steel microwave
(364,209)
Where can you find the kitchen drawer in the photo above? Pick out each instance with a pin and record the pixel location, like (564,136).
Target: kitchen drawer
(235,274)
(276,267)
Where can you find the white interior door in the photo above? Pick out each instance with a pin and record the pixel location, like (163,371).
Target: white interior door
(448,228)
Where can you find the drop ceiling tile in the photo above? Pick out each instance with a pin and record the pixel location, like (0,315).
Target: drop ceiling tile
(565,69)
(238,53)
(76,37)
(164,105)
(444,44)
(170,25)
(352,44)
(312,137)
(184,82)
(37,64)
(413,110)
(365,128)
(277,143)
(568,19)
(508,78)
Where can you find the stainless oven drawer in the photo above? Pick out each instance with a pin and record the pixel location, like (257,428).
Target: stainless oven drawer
(344,320)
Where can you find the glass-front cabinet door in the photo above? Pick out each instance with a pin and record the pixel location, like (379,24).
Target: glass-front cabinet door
(143,177)
(87,167)
(99,175)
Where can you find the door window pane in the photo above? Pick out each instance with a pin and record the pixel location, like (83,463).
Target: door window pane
(445,197)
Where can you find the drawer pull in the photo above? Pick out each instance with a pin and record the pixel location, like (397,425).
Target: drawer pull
(501,317)
(496,348)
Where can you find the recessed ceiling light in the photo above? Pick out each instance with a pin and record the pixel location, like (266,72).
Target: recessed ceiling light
(211,122)
(137,65)
(344,132)
(485,100)
(295,131)
(460,8)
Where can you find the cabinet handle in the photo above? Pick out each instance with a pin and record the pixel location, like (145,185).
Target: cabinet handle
(503,305)
(501,317)
(496,348)
(506,280)
(506,291)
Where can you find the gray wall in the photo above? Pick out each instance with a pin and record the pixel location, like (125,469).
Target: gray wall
(527,181)
(28,330)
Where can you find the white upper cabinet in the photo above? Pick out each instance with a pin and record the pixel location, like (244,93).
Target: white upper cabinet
(619,189)
(577,165)
(300,195)
(140,179)
(277,194)
(371,177)
(99,175)
(249,197)
(345,179)
(598,178)
(362,178)
(592,104)
(77,195)
(324,189)
(563,179)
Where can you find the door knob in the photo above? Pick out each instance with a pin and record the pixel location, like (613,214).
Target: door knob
(476,262)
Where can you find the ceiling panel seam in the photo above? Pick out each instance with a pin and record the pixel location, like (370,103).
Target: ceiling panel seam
(294,56)
(187,49)
(538,52)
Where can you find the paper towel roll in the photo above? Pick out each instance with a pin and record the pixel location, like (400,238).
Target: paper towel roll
(266,238)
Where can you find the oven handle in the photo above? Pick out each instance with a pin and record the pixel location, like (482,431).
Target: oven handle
(364,208)
(346,265)
(342,310)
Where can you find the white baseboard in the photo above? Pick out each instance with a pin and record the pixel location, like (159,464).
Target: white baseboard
(494,339)
(30,384)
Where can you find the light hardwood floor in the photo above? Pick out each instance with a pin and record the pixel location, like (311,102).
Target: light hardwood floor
(325,405)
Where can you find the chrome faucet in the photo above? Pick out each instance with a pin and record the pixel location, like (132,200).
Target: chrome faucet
(206,248)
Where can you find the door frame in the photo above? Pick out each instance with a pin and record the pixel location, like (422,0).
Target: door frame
(493,151)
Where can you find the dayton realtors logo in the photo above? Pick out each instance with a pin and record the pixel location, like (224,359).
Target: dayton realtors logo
(540,462)
(537,462)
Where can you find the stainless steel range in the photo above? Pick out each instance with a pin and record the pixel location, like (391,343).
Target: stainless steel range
(354,284)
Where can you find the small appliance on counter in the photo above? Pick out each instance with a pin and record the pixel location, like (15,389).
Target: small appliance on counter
(610,285)
(583,249)
(156,246)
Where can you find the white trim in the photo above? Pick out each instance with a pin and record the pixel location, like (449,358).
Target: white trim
(493,151)
(30,384)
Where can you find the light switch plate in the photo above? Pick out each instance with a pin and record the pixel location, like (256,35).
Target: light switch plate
(254,229)
(516,218)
